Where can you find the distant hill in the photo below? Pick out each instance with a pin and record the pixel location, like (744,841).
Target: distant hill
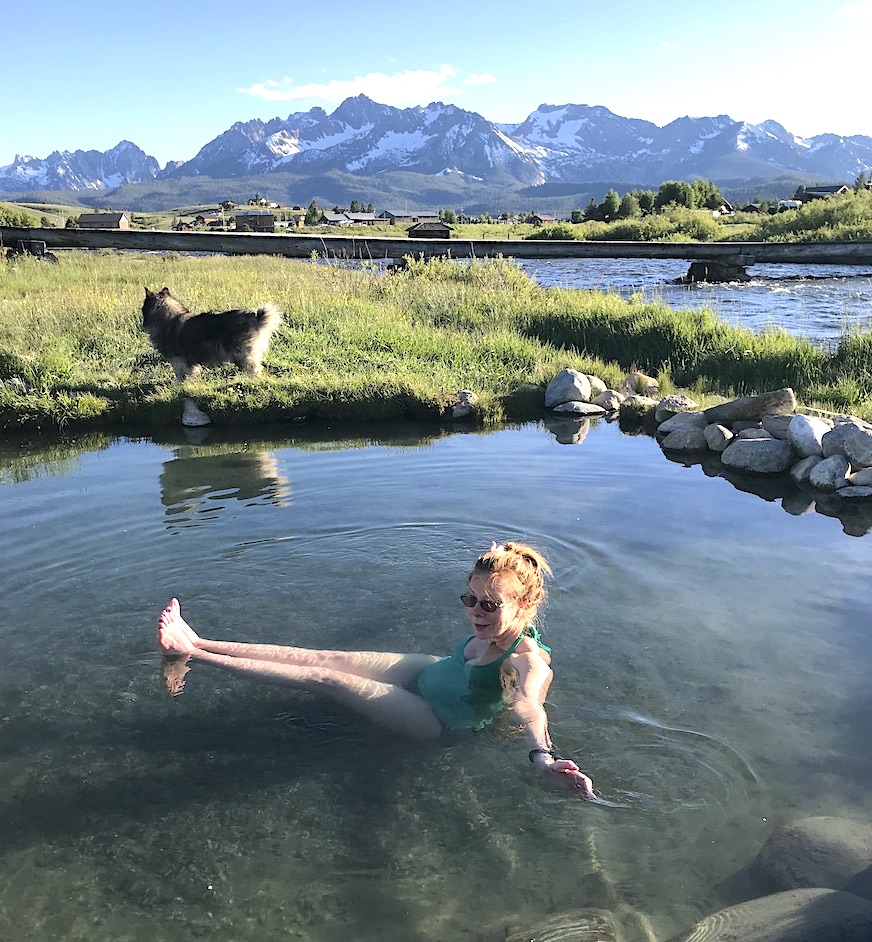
(558,158)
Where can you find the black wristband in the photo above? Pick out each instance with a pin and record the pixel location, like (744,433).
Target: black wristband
(546,752)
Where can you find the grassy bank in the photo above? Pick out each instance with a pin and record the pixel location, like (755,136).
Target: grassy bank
(361,345)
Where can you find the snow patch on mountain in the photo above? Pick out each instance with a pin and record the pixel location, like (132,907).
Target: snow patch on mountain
(571,143)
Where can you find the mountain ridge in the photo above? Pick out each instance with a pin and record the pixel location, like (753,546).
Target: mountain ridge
(444,148)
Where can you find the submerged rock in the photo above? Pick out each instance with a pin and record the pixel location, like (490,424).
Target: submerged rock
(814,915)
(579,925)
(819,851)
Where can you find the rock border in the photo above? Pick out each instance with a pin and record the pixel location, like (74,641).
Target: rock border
(764,444)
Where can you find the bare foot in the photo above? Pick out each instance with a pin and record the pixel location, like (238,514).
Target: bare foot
(174,634)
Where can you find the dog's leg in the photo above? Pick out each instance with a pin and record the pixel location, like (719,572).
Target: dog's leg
(251,365)
(184,370)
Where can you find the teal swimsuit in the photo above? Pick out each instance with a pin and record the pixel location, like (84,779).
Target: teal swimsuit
(463,695)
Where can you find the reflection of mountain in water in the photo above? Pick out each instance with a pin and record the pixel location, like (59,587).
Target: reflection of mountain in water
(195,487)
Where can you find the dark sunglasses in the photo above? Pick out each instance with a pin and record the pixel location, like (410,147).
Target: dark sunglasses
(487,605)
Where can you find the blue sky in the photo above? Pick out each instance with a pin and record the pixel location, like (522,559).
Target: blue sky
(171,76)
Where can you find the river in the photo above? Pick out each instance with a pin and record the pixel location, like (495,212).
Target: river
(815,301)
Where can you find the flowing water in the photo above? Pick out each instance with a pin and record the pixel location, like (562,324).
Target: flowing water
(816,301)
(711,652)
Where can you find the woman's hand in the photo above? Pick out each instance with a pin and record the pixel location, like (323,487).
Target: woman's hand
(566,775)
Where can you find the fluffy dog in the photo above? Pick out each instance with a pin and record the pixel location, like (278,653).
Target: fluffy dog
(190,341)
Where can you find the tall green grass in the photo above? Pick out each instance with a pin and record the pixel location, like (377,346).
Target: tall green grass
(357,343)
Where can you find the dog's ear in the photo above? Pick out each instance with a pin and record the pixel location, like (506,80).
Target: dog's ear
(149,294)
(163,292)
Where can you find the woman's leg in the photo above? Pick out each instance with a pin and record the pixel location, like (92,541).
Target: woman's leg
(400,669)
(386,704)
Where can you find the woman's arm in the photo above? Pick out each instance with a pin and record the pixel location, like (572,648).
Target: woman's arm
(534,678)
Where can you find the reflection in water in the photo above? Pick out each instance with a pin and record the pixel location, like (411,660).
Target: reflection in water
(24,458)
(855,517)
(197,486)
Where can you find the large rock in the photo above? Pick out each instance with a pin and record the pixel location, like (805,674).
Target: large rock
(464,404)
(815,915)
(681,420)
(777,425)
(821,851)
(830,473)
(805,433)
(758,456)
(579,408)
(858,447)
(717,436)
(597,386)
(685,440)
(778,402)
(671,405)
(803,468)
(567,386)
(610,400)
(639,383)
(635,411)
(833,442)
(861,478)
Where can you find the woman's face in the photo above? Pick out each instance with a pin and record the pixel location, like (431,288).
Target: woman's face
(506,621)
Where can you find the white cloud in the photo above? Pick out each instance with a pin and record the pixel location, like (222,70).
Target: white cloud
(482,78)
(668,45)
(411,87)
(859,12)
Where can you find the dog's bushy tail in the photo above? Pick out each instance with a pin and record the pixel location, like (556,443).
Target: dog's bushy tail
(269,317)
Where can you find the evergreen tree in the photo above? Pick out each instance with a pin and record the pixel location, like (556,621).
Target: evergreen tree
(591,213)
(313,214)
(610,205)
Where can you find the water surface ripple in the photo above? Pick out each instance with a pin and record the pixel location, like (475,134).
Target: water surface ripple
(711,670)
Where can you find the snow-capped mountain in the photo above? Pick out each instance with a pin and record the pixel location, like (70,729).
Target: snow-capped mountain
(80,170)
(363,137)
(556,143)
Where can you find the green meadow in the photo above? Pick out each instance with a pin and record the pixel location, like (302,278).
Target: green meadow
(364,346)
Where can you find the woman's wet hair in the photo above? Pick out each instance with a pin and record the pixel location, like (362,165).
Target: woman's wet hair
(525,563)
